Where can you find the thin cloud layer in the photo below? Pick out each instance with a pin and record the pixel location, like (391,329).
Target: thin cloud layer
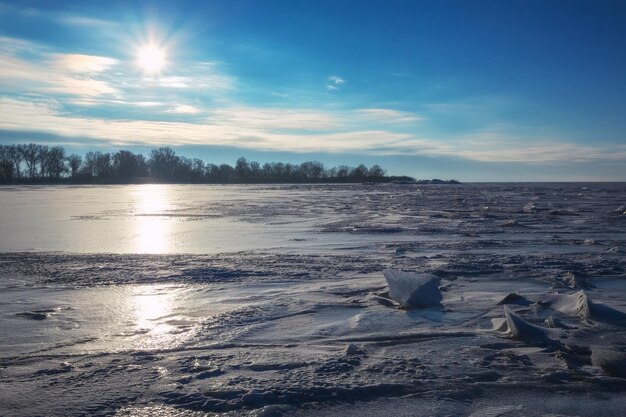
(260,129)
(54,73)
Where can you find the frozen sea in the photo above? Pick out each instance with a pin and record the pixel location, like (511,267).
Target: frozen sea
(271,300)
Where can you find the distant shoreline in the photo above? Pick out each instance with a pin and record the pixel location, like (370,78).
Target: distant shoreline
(40,164)
(395,180)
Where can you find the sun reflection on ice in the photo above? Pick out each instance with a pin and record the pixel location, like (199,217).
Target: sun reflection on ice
(152,228)
(151,304)
(157,319)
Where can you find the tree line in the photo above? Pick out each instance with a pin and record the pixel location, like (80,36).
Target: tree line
(28,163)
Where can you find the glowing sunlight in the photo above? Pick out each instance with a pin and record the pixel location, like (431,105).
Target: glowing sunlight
(151,58)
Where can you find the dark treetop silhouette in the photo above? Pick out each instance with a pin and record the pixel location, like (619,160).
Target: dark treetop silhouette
(33,163)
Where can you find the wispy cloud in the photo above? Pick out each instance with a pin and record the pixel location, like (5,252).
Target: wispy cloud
(82,64)
(84,21)
(389,116)
(184,109)
(43,117)
(55,73)
(334,82)
(259,129)
(276,119)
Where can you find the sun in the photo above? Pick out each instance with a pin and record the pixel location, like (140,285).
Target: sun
(151,58)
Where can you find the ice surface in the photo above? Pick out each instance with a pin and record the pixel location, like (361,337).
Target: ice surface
(413,290)
(269,300)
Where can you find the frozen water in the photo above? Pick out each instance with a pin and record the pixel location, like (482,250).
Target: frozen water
(273,300)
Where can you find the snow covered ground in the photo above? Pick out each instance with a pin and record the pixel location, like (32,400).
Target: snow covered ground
(273,300)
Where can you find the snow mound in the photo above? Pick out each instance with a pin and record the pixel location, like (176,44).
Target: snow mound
(413,290)
(514,298)
(523,330)
(572,280)
(576,304)
(579,305)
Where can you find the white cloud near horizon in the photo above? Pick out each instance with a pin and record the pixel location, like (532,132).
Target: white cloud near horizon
(183,109)
(257,129)
(224,130)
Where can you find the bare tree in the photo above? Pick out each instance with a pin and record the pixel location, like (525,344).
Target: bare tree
(360,172)
(163,163)
(242,168)
(74,162)
(30,155)
(17,158)
(89,165)
(377,172)
(55,162)
(6,164)
(126,164)
(43,159)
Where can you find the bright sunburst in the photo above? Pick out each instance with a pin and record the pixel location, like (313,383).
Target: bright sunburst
(151,58)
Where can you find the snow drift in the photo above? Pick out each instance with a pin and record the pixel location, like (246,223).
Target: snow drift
(413,290)
(579,305)
(520,329)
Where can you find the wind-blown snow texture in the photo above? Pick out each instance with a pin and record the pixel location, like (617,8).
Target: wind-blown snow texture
(526,311)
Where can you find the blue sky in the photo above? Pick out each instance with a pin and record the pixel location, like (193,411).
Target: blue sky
(478,91)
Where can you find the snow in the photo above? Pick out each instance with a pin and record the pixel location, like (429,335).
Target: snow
(313,300)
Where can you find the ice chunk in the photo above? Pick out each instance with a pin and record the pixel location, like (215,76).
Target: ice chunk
(576,304)
(579,304)
(573,281)
(523,330)
(514,298)
(499,325)
(554,323)
(413,290)
(529,208)
(352,349)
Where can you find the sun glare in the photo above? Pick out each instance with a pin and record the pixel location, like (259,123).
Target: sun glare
(151,58)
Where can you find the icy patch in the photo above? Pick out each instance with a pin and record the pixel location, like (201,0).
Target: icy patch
(505,410)
(611,361)
(413,290)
